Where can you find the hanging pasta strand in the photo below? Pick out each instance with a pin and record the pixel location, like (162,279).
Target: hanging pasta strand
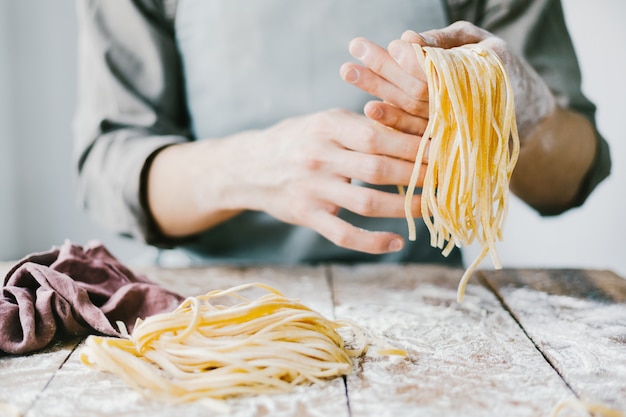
(474,146)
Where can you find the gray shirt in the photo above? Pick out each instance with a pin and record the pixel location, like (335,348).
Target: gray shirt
(132,100)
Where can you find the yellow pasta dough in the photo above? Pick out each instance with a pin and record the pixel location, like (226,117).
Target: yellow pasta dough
(207,350)
(474,146)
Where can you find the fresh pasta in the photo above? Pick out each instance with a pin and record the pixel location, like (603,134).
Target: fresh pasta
(474,146)
(204,350)
(585,409)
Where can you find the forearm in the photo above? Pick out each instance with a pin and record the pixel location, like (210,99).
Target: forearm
(557,145)
(194,186)
(554,160)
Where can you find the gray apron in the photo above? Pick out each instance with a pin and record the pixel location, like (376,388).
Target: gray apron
(249,64)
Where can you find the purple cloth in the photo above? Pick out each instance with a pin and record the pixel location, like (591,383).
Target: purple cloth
(70,291)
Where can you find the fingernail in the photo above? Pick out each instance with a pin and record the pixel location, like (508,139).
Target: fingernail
(396,245)
(352,76)
(376,113)
(395,51)
(358,50)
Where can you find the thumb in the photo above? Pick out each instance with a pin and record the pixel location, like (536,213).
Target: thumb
(457,34)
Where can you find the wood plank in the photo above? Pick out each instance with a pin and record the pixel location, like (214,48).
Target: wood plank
(469,359)
(77,390)
(22,378)
(578,320)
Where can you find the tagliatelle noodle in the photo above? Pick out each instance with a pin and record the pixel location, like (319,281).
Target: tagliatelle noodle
(474,146)
(585,409)
(205,351)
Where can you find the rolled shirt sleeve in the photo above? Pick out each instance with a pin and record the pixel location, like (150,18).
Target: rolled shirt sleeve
(130,104)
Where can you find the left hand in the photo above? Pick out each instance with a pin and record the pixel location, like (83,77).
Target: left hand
(395,76)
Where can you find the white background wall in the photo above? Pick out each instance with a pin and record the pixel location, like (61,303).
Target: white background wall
(37,95)
(37,204)
(8,177)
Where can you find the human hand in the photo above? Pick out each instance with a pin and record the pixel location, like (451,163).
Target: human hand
(301,172)
(395,76)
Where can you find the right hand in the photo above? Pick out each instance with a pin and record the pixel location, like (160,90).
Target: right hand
(299,171)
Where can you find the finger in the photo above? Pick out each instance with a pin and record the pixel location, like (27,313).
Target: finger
(404,54)
(413,37)
(460,34)
(394,117)
(345,235)
(373,169)
(457,34)
(368,201)
(379,61)
(362,135)
(374,84)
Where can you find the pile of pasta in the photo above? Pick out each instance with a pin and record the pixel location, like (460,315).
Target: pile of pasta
(474,146)
(205,350)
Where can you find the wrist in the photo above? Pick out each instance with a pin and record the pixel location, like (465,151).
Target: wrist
(186,190)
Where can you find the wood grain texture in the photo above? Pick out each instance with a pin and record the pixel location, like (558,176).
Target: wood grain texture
(23,378)
(469,359)
(577,319)
(102,394)
(521,341)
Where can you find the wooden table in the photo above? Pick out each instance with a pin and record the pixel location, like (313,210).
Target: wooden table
(521,341)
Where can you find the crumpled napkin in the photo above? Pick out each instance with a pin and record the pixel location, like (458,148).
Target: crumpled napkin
(70,291)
